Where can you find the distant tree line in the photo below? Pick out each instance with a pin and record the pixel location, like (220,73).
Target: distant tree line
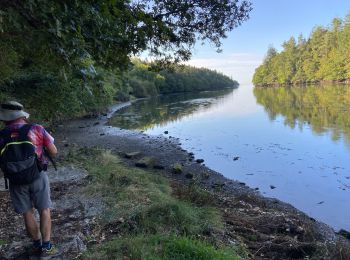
(143,81)
(324,56)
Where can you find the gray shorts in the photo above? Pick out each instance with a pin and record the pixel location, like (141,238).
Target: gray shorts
(36,194)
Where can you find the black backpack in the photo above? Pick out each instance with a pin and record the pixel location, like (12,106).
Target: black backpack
(18,159)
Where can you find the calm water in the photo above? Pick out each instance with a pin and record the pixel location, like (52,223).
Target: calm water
(295,139)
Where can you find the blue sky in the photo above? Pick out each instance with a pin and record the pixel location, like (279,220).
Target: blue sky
(271,22)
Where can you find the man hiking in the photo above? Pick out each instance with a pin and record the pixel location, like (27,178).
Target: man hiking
(23,162)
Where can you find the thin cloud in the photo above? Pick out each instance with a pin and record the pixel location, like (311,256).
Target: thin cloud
(239,66)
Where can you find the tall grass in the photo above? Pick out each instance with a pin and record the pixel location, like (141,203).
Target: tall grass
(148,219)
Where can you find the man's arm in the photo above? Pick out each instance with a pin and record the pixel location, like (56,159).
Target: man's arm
(52,149)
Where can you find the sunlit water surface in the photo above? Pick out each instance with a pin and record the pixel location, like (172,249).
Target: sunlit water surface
(292,144)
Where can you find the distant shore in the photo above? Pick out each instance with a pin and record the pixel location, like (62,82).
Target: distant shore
(306,83)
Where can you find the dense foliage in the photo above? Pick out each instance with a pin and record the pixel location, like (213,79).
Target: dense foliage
(65,57)
(325,56)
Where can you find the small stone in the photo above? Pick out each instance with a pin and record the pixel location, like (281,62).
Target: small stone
(120,220)
(145,162)
(177,168)
(158,167)
(300,230)
(235,158)
(344,233)
(68,225)
(166,132)
(199,160)
(272,187)
(206,175)
(189,175)
(218,185)
(131,155)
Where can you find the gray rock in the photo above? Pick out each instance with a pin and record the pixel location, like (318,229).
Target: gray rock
(177,168)
(145,162)
(132,155)
(189,175)
(158,166)
(66,173)
(14,250)
(75,245)
(344,233)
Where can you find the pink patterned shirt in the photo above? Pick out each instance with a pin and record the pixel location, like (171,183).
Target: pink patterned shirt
(37,135)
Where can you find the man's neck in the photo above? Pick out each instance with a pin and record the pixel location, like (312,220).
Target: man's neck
(17,121)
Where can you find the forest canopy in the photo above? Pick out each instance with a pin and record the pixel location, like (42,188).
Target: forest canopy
(67,32)
(324,56)
(74,55)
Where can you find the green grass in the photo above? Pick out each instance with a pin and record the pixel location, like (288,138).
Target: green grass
(158,221)
(161,247)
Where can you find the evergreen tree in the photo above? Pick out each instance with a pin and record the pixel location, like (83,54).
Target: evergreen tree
(325,56)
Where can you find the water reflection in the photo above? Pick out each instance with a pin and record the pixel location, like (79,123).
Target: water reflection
(289,145)
(158,111)
(323,108)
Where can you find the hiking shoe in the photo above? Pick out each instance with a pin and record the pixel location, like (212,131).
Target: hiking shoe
(49,253)
(33,250)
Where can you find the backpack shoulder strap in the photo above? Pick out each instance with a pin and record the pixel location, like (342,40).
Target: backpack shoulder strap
(23,132)
(5,134)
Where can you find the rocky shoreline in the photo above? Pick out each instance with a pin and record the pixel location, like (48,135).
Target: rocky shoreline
(269,228)
(166,152)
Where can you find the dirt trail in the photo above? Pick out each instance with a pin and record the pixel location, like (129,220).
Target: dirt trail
(73,214)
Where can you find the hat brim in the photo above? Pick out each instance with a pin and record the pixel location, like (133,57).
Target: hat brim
(6,115)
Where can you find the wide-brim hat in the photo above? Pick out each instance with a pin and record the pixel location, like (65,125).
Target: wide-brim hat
(12,110)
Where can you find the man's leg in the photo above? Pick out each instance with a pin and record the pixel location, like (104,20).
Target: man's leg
(31,225)
(45,224)
(48,250)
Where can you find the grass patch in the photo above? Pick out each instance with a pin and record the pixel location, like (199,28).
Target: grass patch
(194,194)
(154,220)
(161,247)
